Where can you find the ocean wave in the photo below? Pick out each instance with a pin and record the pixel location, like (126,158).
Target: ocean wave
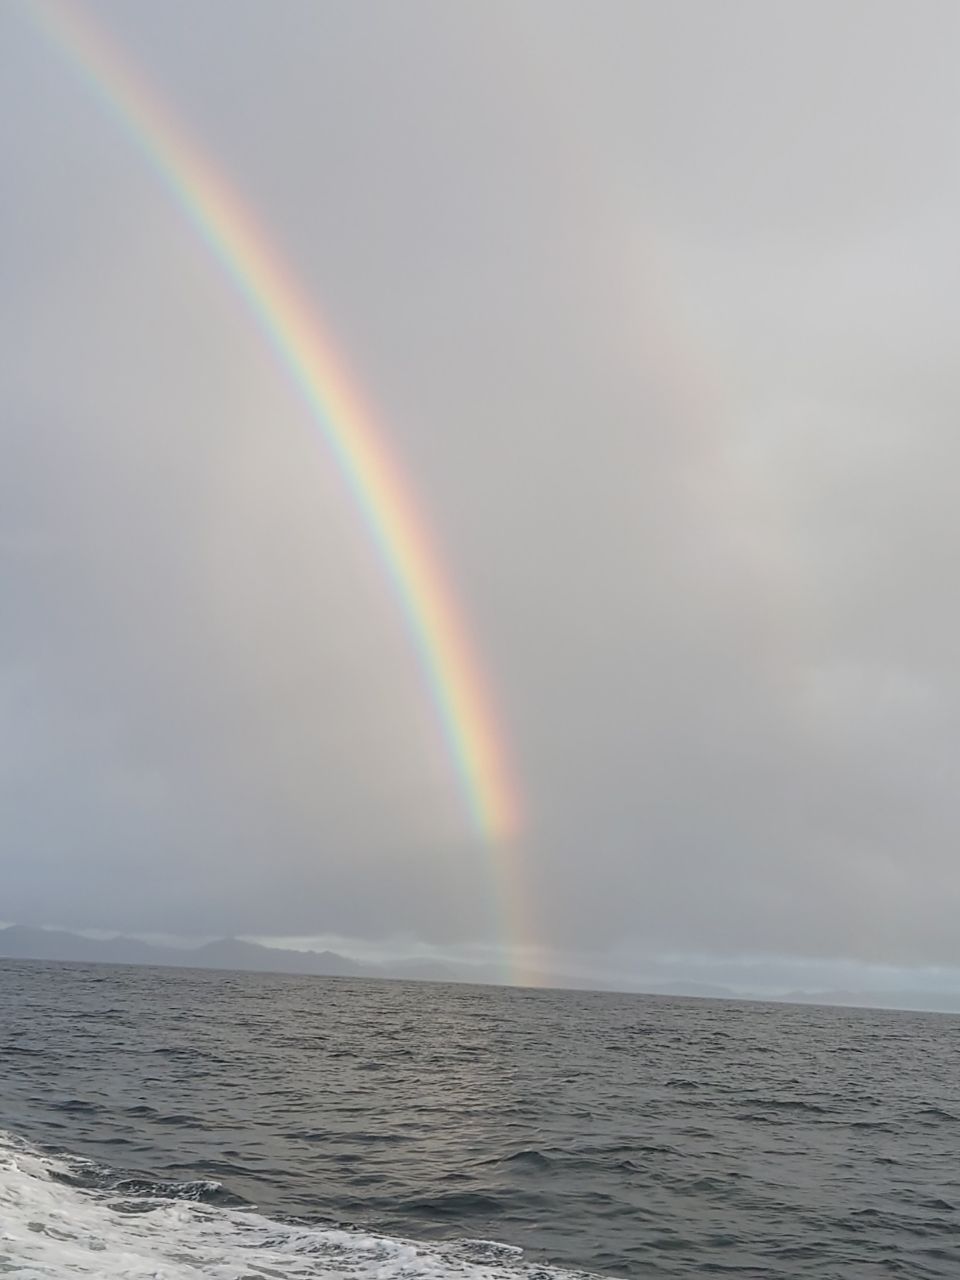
(53,1227)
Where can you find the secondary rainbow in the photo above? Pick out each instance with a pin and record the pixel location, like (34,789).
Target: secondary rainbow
(292,327)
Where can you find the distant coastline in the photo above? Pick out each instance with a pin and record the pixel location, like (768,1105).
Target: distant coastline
(23,942)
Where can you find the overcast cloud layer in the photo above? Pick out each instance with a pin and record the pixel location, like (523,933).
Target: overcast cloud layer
(658,303)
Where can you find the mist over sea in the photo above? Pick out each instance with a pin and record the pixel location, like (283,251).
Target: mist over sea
(179,1124)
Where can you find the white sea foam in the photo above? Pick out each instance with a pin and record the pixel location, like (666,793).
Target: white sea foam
(50,1229)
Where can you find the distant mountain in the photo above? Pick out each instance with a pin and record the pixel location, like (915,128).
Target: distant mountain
(19,942)
(232,953)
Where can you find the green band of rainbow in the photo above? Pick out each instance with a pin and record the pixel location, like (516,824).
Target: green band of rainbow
(291,326)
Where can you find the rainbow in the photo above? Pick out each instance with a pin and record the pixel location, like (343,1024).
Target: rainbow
(345,424)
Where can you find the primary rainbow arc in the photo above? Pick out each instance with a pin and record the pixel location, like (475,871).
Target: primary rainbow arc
(290,324)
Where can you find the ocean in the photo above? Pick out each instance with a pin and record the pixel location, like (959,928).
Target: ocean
(174,1124)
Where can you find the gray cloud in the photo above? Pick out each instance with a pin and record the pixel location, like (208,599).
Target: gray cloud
(658,308)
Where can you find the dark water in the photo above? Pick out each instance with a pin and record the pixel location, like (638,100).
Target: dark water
(637,1136)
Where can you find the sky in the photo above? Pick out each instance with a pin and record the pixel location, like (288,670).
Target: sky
(657,303)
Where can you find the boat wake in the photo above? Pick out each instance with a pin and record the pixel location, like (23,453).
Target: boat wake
(61,1217)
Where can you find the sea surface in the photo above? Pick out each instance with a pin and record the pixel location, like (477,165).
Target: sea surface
(174,1124)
